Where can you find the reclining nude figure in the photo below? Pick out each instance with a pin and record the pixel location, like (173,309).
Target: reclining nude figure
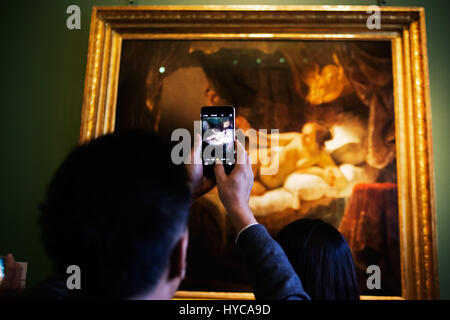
(303,153)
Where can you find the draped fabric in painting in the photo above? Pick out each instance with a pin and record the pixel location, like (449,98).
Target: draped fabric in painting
(275,97)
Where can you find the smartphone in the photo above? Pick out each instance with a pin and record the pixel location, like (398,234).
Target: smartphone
(2,268)
(218,135)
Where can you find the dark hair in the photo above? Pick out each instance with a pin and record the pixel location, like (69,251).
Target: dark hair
(322,259)
(115,208)
(323,134)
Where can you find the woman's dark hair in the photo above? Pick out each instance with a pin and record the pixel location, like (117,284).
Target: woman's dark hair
(323,134)
(322,259)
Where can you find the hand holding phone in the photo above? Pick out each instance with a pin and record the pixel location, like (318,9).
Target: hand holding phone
(12,273)
(235,189)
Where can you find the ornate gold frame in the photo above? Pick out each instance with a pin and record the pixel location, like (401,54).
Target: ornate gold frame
(404,27)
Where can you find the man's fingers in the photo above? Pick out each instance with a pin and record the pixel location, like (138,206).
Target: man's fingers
(15,277)
(241,153)
(207,185)
(219,171)
(10,259)
(9,271)
(196,154)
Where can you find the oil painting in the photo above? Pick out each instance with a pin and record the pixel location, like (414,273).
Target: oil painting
(333,106)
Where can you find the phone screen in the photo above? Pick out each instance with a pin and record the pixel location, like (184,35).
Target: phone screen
(2,269)
(218,136)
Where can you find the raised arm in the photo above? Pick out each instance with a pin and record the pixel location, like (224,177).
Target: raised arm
(273,275)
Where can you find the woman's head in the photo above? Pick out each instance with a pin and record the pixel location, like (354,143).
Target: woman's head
(314,136)
(322,259)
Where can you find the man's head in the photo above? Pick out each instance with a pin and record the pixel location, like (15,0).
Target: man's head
(117,207)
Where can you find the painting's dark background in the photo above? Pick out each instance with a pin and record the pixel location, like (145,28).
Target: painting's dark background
(43,66)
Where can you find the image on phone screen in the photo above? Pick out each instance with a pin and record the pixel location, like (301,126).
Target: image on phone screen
(2,269)
(218,135)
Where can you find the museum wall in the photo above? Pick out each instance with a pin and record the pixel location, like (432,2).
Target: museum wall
(42,89)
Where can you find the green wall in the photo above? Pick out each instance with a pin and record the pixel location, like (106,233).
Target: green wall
(43,66)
